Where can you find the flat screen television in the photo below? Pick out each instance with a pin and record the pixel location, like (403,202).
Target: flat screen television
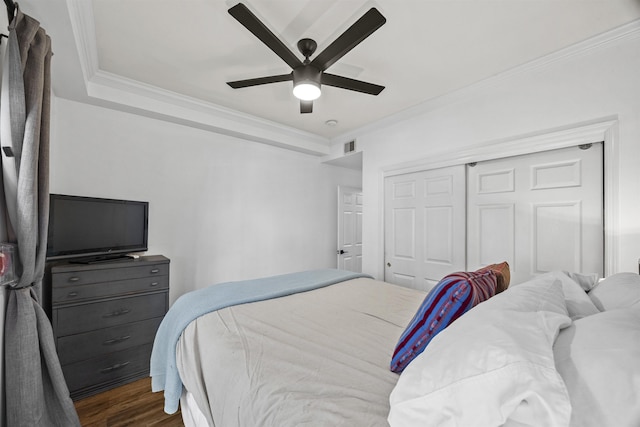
(91,229)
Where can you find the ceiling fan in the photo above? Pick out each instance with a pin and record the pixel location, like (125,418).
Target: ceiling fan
(309,75)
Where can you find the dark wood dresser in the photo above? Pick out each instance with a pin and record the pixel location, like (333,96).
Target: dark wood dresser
(105,317)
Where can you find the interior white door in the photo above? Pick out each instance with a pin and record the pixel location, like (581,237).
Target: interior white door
(424,226)
(350,229)
(539,212)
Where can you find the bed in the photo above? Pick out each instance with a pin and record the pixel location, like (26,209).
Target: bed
(318,349)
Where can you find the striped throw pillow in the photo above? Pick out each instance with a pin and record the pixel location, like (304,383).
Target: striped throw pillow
(502,272)
(454,295)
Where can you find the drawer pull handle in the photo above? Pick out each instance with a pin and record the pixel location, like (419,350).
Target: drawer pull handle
(72,294)
(155,270)
(117,313)
(114,367)
(74,279)
(116,340)
(154,283)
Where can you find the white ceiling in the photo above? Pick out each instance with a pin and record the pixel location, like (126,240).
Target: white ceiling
(426,49)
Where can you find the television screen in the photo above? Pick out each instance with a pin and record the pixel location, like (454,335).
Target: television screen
(94,227)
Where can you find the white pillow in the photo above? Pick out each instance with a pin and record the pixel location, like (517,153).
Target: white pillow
(579,304)
(586,281)
(617,291)
(542,293)
(494,365)
(598,357)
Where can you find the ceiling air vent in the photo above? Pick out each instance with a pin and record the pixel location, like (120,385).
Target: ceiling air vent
(349,147)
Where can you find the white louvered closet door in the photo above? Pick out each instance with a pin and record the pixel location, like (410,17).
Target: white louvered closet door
(539,212)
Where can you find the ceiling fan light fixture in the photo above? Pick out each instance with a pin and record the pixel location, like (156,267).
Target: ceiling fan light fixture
(307,91)
(306,83)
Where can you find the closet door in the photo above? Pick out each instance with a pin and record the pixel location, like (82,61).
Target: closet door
(539,212)
(424,226)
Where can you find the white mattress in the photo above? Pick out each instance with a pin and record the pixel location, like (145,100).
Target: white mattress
(316,358)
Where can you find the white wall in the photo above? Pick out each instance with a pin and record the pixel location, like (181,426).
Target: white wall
(602,82)
(221,208)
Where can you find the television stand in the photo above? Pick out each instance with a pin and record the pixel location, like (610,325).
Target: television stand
(100,258)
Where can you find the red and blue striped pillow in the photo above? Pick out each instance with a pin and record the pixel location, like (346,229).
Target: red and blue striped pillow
(454,295)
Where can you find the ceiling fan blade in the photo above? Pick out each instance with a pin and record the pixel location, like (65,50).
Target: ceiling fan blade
(244,16)
(261,81)
(306,107)
(350,84)
(360,30)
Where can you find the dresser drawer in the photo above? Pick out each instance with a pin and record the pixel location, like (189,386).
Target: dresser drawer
(74,348)
(83,277)
(64,294)
(107,368)
(104,314)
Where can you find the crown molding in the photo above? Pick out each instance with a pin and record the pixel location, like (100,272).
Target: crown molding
(133,96)
(604,40)
(84,30)
(549,139)
(165,105)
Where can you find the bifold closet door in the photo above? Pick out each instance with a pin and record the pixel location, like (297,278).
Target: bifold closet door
(424,226)
(540,212)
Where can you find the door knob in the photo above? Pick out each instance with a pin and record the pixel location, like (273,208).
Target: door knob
(342,252)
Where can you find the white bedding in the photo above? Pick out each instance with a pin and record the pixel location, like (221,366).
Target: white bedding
(539,354)
(492,366)
(318,358)
(518,359)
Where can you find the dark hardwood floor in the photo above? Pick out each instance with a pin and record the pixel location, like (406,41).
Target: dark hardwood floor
(132,404)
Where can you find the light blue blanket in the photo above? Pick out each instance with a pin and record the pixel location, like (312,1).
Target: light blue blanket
(164,372)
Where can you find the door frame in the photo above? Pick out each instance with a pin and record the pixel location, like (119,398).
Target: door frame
(603,130)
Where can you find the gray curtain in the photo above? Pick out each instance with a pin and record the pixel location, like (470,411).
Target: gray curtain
(36,393)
